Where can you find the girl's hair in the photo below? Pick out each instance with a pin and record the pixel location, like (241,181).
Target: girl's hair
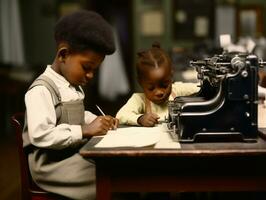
(152,58)
(84,30)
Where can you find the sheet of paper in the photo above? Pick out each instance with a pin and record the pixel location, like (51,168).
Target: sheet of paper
(261,116)
(130,137)
(166,141)
(138,137)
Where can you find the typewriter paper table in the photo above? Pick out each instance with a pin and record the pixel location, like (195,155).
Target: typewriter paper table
(193,168)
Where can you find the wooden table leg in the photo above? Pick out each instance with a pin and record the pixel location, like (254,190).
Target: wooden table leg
(103,186)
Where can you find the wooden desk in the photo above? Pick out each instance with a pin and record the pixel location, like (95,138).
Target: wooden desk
(193,168)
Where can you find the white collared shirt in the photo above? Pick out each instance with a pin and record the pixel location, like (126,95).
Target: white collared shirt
(41,116)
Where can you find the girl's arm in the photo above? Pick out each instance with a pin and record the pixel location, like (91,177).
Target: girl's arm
(132,110)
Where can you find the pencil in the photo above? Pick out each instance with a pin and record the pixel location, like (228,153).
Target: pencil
(100,110)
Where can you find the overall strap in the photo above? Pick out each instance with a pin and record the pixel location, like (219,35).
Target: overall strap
(50,85)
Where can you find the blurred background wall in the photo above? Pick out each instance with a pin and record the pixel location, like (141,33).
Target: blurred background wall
(186,29)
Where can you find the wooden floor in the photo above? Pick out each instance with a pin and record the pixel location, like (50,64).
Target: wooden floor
(9,169)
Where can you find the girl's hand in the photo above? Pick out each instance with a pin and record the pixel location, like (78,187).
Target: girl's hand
(99,126)
(148,119)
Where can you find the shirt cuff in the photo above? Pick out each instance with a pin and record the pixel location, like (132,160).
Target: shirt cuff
(76,133)
(134,120)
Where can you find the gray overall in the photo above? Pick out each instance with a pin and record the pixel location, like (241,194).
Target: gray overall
(62,172)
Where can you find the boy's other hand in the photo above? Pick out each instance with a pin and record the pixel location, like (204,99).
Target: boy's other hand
(99,126)
(148,119)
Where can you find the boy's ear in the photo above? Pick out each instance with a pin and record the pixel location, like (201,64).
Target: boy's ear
(62,53)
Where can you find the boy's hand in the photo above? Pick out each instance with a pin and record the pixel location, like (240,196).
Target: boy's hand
(148,119)
(99,126)
(115,123)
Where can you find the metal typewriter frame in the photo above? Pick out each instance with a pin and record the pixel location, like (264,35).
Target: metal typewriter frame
(225,108)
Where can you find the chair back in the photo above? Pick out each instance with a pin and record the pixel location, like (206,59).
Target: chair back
(18,121)
(29,190)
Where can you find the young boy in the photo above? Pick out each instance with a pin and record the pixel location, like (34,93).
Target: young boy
(154,73)
(56,124)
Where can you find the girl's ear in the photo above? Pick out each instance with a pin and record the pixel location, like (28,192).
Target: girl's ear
(62,53)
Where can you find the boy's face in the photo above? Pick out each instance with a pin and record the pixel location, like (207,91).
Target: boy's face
(157,84)
(79,68)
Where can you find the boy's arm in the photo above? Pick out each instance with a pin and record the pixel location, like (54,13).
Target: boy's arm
(132,110)
(41,117)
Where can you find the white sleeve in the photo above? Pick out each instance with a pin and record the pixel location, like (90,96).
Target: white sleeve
(132,110)
(89,117)
(41,118)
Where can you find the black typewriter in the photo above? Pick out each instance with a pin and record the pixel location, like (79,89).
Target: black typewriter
(225,108)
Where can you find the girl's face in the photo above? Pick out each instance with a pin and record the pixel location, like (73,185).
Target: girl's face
(157,84)
(79,68)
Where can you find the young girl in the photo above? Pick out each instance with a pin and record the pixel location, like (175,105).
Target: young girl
(154,73)
(56,124)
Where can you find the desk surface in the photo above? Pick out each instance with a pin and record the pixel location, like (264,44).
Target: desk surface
(186,150)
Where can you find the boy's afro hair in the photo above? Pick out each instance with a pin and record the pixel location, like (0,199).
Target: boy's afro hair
(84,30)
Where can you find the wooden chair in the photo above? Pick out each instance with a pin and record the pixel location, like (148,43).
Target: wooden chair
(29,190)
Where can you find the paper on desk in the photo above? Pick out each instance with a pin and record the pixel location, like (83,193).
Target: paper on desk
(130,137)
(166,141)
(261,116)
(138,137)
